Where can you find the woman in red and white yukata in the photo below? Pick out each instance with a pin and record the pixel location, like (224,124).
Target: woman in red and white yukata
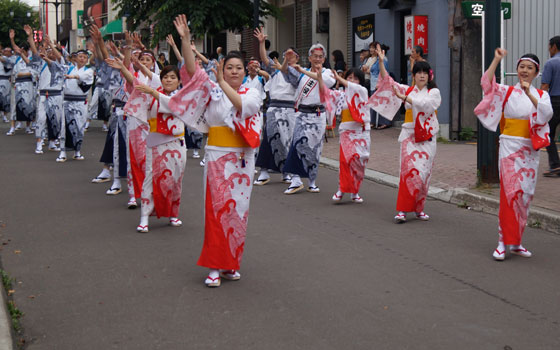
(145,70)
(354,132)
(418,134)
(166,153)
(230,114)
(522,112)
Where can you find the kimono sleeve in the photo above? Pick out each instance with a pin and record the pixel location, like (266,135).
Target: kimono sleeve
(489,110)
(189,104)
(384,101)
(86,76)
(292,76)
(540,129)
(328,78)
(251,104)
(357,99)
(138,104)
(429,104)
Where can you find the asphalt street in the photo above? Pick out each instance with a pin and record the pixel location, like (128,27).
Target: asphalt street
(315,275)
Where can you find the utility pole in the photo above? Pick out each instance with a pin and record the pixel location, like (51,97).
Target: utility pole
(488,141)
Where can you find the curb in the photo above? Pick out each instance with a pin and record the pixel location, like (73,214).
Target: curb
(6,341)
(538,217)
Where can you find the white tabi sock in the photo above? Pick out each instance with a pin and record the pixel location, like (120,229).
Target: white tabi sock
(116,183)
(311,183)
(39,145)
(104,173)
(144,220)
(77,154)
(62,154)
(296,181)
(264,175)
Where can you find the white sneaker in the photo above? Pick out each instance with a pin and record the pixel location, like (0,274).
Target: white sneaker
(104,128)
(38,151)
(195,155)
(11,132)
(5,119)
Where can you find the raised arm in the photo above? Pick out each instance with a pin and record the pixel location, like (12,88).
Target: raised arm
(51,45)
(381,60)
(185,34)
(199,55)
(499,54)
(12,35)
(142,67)
(98,39)
(171,43)
(127,49)
(262,49)
(339,79)
(29,31)
(230,92)
(117,63)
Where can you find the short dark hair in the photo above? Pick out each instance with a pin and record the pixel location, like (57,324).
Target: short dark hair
(267,44)
(358,74)
(167,69)
(232,55)
(555,41)
(419,50)
(531,56)
(274,54)
(423,66)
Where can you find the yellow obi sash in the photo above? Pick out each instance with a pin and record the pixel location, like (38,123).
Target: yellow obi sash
(346,116)
(154,128)
(223,136)
(408,117)
(515,127)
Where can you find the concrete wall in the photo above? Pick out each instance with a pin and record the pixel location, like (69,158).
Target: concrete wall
(337,29)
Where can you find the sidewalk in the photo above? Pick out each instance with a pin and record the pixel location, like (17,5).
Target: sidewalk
(454,176)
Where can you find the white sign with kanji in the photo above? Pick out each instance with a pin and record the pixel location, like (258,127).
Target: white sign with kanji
(408,34)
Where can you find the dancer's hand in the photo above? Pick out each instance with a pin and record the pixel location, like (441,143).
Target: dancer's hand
(500,53)
(181,24)
(219,73)
(259,34)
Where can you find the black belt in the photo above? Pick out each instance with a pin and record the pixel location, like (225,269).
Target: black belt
(22,79)
(50,92)
(119,103)
(75,98)
(4,77)
(311,108)
(282,103)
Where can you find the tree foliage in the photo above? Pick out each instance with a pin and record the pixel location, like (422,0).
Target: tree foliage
(205,16)
(7,22)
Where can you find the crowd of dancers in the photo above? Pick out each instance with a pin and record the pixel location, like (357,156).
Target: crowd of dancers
(269,113)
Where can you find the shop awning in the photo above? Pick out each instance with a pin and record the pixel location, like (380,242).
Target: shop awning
(111,27)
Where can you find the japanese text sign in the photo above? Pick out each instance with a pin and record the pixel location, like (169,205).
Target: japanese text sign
(415,33)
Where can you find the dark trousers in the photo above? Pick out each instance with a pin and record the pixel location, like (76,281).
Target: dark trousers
(553,159)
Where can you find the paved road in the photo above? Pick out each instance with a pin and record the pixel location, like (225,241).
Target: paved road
(315,275)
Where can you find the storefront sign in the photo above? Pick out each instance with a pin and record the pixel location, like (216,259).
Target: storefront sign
(474,9)
(415,33)
(364,32)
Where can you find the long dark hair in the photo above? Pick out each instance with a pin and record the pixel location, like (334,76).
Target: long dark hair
(358,74)
(424,66)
